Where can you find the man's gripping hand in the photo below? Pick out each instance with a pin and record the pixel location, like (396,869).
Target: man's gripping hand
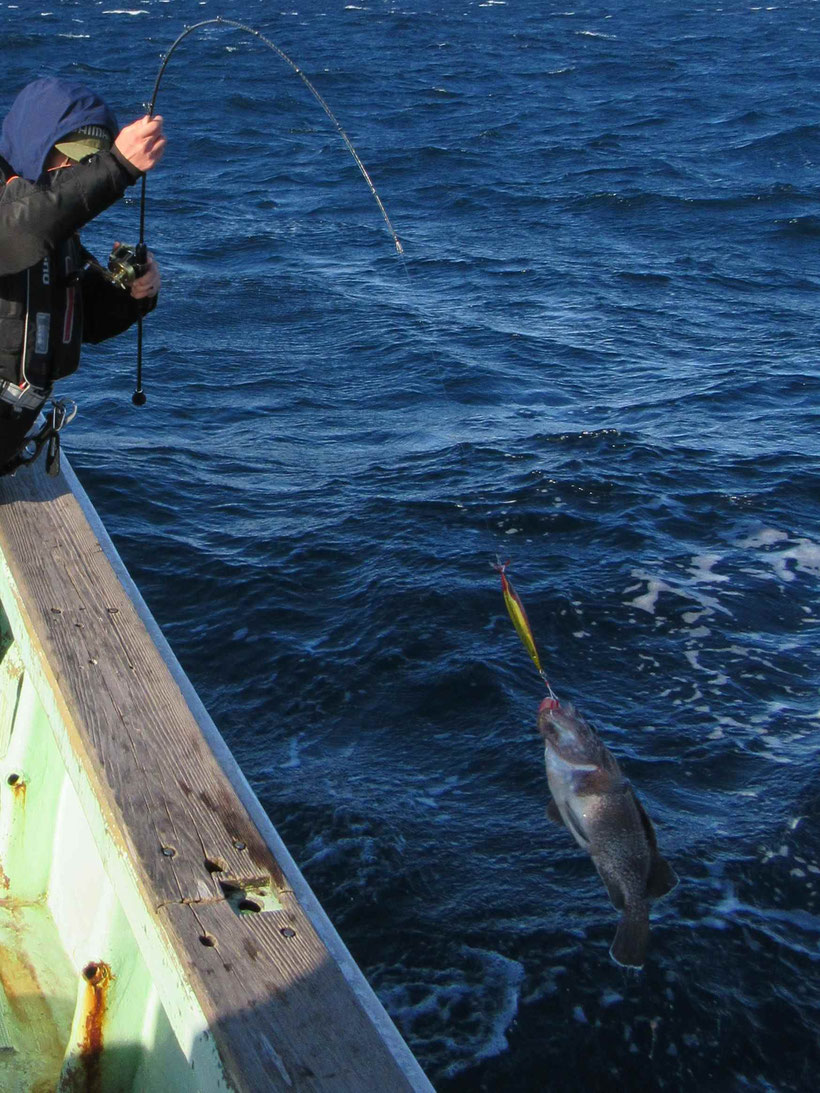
(148,285)
(142,142)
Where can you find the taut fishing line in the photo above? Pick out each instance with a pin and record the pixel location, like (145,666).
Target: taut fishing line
(138,398)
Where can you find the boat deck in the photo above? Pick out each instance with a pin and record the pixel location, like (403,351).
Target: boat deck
(155,932)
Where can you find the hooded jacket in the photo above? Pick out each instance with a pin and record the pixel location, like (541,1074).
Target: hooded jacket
(49,303)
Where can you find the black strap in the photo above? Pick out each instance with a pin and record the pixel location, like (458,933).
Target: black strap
(61,413)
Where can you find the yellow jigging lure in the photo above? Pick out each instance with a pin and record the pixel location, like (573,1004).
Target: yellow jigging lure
(515,609)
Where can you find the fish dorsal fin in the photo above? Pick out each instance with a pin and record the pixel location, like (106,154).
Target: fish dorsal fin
(649,830)
(662,877)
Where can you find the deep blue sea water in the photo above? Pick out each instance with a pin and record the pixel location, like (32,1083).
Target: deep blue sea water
(598,359)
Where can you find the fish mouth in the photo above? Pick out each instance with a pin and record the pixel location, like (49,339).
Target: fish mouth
(546,726)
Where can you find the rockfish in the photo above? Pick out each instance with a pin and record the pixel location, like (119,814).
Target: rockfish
(593,799)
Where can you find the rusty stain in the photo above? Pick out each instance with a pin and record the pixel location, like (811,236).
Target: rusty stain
(98,978)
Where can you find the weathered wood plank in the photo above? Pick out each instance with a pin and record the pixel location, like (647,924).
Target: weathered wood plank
(269,995)
(264,1018)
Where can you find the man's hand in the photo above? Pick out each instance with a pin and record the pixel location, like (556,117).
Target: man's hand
(142,142)
(148,285)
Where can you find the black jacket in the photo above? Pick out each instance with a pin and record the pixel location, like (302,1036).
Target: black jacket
(50,304)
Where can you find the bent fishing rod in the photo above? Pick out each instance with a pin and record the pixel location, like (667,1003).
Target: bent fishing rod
(140,252)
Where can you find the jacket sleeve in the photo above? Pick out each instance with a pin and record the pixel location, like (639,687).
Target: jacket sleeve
(35,216)
(108,310)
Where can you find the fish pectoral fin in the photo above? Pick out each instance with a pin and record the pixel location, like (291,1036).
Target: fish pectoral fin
(554,812)
(662,877)
(632,937)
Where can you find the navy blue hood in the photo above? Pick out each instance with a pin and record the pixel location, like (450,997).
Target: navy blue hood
(44,112)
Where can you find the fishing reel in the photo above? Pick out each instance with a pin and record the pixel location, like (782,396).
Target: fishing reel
(126,264)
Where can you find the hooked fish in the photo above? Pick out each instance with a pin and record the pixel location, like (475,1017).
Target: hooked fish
(599,807)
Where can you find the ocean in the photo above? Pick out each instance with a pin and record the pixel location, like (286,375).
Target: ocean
(597,358)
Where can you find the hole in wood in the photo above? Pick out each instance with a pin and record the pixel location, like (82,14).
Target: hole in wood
(208,940)
(287,931)
(250,895)
(13,779)
(249,905)
(169,851)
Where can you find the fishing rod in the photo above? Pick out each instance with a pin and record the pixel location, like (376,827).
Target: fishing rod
(140,252)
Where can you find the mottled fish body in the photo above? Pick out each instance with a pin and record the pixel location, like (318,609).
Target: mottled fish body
(599,807)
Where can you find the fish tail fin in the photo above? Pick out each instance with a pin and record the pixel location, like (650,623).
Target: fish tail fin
(632,937)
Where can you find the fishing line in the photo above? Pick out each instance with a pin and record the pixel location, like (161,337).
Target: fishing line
(138,398)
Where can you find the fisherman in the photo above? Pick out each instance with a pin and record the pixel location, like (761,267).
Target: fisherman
(53,295)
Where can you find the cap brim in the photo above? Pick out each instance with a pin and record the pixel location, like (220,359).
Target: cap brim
(79,149)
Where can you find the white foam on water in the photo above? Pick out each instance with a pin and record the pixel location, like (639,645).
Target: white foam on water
(685,588)
(649,600)
(702,568)
(294,758)
(692,616)
(770,920)
(719,679)
(424,1003)
(767,537)
(800,556)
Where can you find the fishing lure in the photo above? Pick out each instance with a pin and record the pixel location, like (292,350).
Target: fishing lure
(515,609)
